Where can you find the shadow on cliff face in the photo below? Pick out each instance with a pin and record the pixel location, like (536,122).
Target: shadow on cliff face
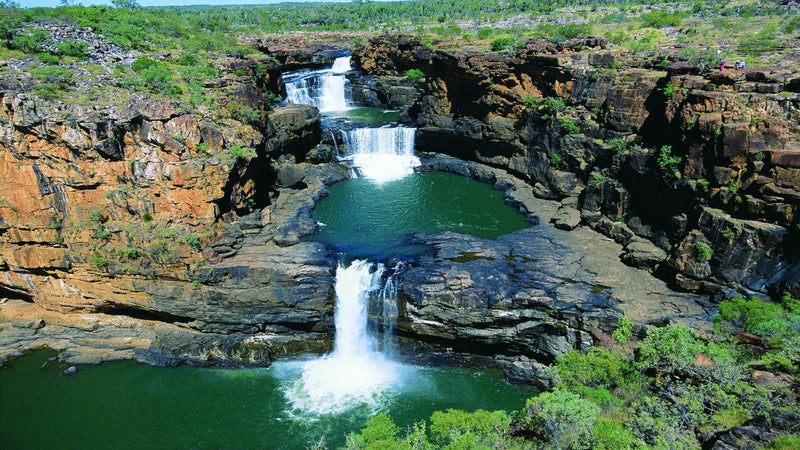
(249,186)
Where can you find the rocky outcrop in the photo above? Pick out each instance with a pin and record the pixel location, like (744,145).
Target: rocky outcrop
(642,152)
(526,297)
(146,231)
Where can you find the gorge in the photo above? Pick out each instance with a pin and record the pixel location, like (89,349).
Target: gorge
(517,204)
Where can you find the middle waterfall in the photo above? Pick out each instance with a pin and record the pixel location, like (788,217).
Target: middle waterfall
(381,154)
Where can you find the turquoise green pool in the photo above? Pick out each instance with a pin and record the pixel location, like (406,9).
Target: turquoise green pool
(365,219)
(124,405)
(371,116)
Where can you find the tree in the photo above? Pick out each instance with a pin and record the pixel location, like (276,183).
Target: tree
(125,4)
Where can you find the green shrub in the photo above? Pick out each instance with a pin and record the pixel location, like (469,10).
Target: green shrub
(143,63)
(561,416)
(598,367)
(668,349)
(668,91)
(702,252)
(597,180)
(669,163)
(75,49)
(659,19)
(459,429)
(612,435)
(147,217)
(29,40)
(788,442)
(47,58)
(99,261)
(485,33)
(728,234)
(703,183)
(550,107)
(414,74)
(620,146)
(555,159)
(624,330)
(502,43)
(427,42)
(568,126)
(192,240)
(529,102)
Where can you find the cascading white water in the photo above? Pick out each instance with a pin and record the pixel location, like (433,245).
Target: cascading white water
(326,89)
(355,373)
(381,154)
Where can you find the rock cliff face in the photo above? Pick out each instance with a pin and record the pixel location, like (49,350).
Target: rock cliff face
(152,232)
(662,159)
(144,231)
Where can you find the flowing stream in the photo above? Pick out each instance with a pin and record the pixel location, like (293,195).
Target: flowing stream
(356,373)
(292,403)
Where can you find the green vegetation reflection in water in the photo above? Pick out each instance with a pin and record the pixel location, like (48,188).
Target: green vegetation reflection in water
(127,405)
(364,219)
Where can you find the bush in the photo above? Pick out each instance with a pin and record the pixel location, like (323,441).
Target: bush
(668,91)
(47,58)
(561,416)
(502,43)
(555,159)
(669,163)
(568,126)
(76,49)
(659,19)
(668,349)
(29,40)
(550,107)
(192,240)
(485,33)
(703,252)
(624,330)
(414,74)
(459,429)
(529,102)
(612,435)
(99,261)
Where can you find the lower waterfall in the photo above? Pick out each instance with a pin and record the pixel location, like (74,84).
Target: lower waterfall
(355,373)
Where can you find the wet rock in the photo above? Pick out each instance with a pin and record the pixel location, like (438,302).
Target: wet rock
(72,370)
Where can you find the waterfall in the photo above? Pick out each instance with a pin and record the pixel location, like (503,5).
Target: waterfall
(355,372)
(326,89)
(381,154)
(389,311)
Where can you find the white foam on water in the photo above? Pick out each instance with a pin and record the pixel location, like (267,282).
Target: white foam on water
(325,89)
(355,373)
(381,154)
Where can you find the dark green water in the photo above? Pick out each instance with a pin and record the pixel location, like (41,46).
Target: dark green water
(365,219)
(125,405)
(371,116)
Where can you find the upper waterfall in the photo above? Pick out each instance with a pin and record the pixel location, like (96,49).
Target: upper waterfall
(326,89)
(381,154)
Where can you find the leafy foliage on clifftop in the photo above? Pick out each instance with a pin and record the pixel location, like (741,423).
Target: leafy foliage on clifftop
(672,389)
